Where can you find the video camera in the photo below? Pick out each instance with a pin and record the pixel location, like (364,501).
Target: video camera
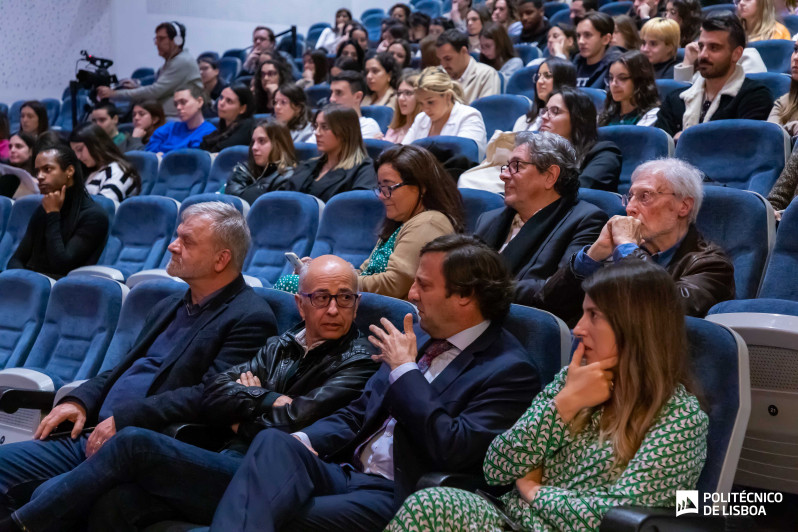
(97,77)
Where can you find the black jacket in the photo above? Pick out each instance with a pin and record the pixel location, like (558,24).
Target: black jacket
(664,70)
(321,382)
(236,323)
(249,188)
(360,177)
(539,38)
(601,168)
(239,133)
(753,102)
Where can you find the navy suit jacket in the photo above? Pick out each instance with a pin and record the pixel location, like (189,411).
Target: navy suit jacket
(231,330)
(445,425)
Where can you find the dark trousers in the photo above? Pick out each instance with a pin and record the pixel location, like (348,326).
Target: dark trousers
(283,486)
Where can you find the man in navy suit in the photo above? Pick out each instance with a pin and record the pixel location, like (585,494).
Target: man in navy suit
(439,399)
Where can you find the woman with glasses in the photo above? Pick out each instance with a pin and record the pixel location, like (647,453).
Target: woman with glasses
(633,98)
(405,109)
(271,74)
(687,14)
(759,20)
(553,74)
(421,203)
(570,113)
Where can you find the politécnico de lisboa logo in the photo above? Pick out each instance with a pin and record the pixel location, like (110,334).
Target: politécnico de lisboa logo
(686,502)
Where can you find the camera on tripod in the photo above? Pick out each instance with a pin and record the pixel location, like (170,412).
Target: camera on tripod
(96,77)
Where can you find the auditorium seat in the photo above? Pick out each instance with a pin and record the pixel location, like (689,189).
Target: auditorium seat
(6,205)
(314,32)
(667,86)
(597,96)
(222,166)
(375,147)
(142,72)
(65,115)
(381,113)
(433,8)
(53,107)
(780,281)
(775,54)
(522,82)
(108,206)
(527,52)
(240,53)
(147,165)
(477,202)
(317,93)
(747,154)
(13,115)
(560,17)
(4,109)
(616,8)
(550,8)
(22,306)
(305,151)
(791,21)
(81,316)
(283,306)
(349,226)
(182,173)
(462,146)
(373,12)
(638,145)
(229,68)
(21,212)
(280,222)
(546,338)
(779,84)
(500,111)
(373,307)
(609,202)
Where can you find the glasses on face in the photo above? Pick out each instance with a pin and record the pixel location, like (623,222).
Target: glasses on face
(268,74)
(386,190)
(514,166)
(551,111)
(322,299)
(405,94)
(644,197)
(545,75)
(610,79)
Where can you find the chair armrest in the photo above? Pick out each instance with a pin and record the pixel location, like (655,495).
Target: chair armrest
(100,271)
(66,389)
(641,518)
(204,436)
(12,399)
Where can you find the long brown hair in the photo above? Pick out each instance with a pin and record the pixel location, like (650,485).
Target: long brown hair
(158,117)
(501,40)
(399,120)
(282,154)
(642,305)
(645,95)
(345,125)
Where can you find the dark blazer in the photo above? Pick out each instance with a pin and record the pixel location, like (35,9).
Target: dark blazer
(601,169)
(360,177)
(445,425)
(544,243)
(236,323)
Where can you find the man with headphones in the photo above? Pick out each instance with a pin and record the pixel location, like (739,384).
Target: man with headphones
(179,70)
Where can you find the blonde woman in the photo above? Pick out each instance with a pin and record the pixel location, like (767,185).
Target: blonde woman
(405,109)
(759,20)
(444,111)
(661,38)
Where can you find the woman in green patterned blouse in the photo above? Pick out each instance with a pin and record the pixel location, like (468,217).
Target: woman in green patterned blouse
(617,426)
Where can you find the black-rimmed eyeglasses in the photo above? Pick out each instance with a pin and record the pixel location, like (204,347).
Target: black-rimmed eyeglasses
(386,190)
(322,299)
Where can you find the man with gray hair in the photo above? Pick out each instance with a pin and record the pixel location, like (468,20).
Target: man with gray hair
(185,341)
(543,222)
(661,206)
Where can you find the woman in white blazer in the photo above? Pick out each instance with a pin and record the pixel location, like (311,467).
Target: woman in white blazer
(443,111)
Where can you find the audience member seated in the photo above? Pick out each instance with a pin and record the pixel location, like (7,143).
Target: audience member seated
(234,109)
(352,50)
(211,82)
(421,204)
(272,73)
(594,34)
(534,26)
(553,74)
(400,12)
(291,109)
(633,98)
(5,135)
(405,109)
(625,36)
(343,64)
(786,187)
(660,43)
(543,222)
(505,13)
(314,69)
(662,206)
(111,175)
(580,8)
(496,50)
(644,10)
(33,118)
(382,78)
(458,14)
(68,230)
(722,91)
(343,164)
(476,19)
(271,163)
(402,54)
(360,35)
(147,117)
(186,341)
(330,38)
(477,80)
(444,111)
(581,447)
(106,116)
(393,31)
(759,20)
(436,412)
(686,13)
(20,157)
(179,70)
(419,26)
(785,108)
(348,89)
(189,131)
(263,40)
(561,42)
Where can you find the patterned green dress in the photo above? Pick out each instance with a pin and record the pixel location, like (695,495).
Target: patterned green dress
(378,262)
(580,480)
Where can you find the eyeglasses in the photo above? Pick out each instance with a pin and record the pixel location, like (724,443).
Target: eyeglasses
(509,166)
(386,190)
(644,198)
(406,94)
(552,111)
(610,79)
(322,299)
(544,75)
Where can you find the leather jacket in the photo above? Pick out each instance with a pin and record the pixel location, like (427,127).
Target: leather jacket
(329,377)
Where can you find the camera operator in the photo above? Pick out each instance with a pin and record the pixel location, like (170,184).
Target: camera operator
(179,70)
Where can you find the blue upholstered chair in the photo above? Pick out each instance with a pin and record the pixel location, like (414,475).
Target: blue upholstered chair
(314,32)
(616,8)
(609,202)
(775,54)
(284,307)
(764,305)
(17,224)
(53,107)
(381,113)
(466,147)
(375,147)
(223,165)
(240,53)
(371,12)
(747,154)
(182,173)
(108,206)
(317,93)
(527,52)
(13,114)
(667,86)
(349,226)
(3,109)
(778,83)
(638,145)
(147,165)
(142,72)
(522,82)
(280,222)
(545,337)
(373,307)
(65,115)
(499,112)
(597,96)
(718,7)
(22,306)
(563,16)
(305,151)
(433,8)
(6,204)
(780,281)
(229,68)
(476,202)
(791,21)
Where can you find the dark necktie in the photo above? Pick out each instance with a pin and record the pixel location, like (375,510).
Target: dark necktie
(434,350)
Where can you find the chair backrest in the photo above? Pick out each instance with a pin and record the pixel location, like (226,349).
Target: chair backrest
(6,204)
(550,8)
(373,307)
(182,173)
(597,96)
(283,305)
(142,230)
(381,113)
(349,226)
(375,147)
(229,68)
(240,53)
(142,72)
(433,8)
(53,107)
(563,16)
(775,54)
(747,154)
(371,12)
(78,326)
(477,202)
(13,113)
(609,202)
(667,86)
(616,8)
(638,145)
(317,93)
(545,337)
(777,83)
(65,116)
(527,52)
(147,165)
(223,165)
(780,281)
(305,151)
(108,206)
(791,21)
(314,32)
(522,82)
(743,224)
(138,303)
(22,307)
(499,112)
(718,7)
(4,109)
(465,147)
(21,212)
(280,222)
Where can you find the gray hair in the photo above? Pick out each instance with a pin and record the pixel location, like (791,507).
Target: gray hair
(303,273)
(549,149)
(685,179)
(228,226)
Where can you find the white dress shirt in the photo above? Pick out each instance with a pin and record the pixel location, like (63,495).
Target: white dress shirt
(464,121)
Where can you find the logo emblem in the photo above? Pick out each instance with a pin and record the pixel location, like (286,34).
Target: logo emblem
(686,502)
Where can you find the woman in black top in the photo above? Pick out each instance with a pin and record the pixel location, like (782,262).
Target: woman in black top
(68,230)
(234,107)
